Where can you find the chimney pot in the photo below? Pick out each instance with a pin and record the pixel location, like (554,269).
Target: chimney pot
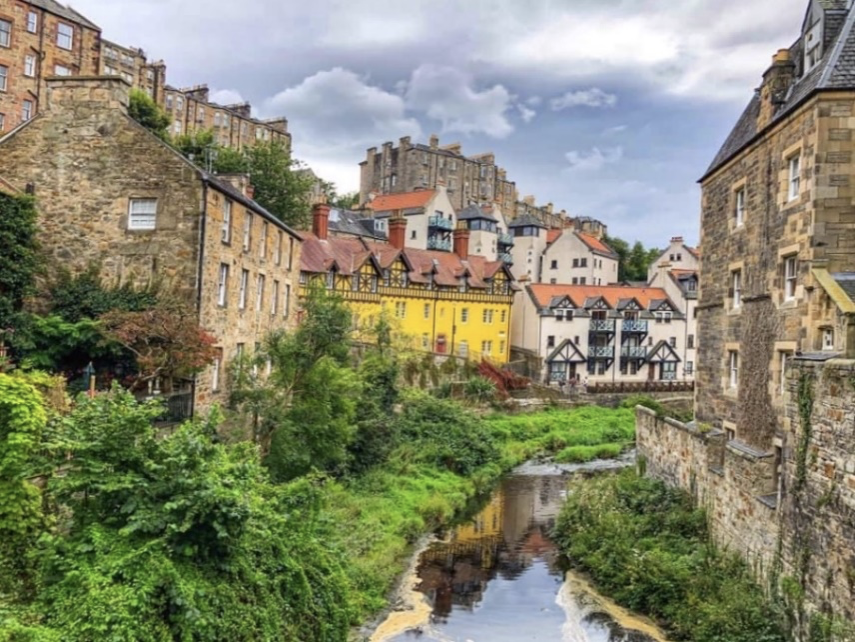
(461,241)
(397,230)
(321,220)
(434,141)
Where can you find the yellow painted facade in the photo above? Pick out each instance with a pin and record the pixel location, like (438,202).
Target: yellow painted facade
(475,323)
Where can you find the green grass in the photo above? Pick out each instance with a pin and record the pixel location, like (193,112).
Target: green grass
(376,518)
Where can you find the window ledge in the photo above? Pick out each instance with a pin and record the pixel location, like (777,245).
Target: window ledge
(769,501)
(717,470)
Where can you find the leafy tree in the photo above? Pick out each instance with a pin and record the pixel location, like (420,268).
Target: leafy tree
(347,201)
(281,189)
(148,113)
(633,261)
(19,258)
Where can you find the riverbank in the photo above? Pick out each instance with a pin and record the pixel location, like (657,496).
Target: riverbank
(647,547)
(447,458)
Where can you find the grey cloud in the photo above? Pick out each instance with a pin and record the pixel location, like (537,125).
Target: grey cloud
(593,97)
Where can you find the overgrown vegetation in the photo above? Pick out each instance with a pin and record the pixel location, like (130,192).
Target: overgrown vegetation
(143,109)
(647,547)
(19,258)
(633,261)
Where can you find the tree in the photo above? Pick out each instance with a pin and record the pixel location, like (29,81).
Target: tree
(148,113)
(19,257)
(283,191)
(166,341)
(633,262)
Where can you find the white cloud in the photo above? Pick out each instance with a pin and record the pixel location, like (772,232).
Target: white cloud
(614,131)
(226,97)
(594,160)
(593,97)
(534,101)
(447,94)
(525,113)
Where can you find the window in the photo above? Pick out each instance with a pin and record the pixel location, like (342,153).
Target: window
(553,281)
(487,316)
(673,342)
(736,280)
(790,272)
(413,235)
(463,349)
(274,304)
(783,360)
(690,342)
(29,65)
(179,102)
(215,370)
(223,284)
(61,70)
(244,284)
(663,317)
(247,231)
(200,113)
(425,341)
(582,280)
(574,281)
(427,311)
(575,263)
(169,101)
(400,309)
(486,347)
(795,164)
(227,222)
(739,213)
(26,108)
(733,361)
(32,22)
(828,339)
(65,36)
(5,33)
(583,263)
(216,119)
(553,265)
(290,251)
(4,74)
(262,250)
(504,317)
(142,214)
(277,255)
(464,315)
(550,341)
(690,367)
(287,303)
(2,122)
(259,293)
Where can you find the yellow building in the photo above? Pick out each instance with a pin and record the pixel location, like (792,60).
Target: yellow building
(440,302)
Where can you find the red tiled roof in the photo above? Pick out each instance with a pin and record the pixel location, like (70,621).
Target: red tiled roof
(693,251)
(405,201)
(596,244)
(543,294)
(681,272)
(553,235)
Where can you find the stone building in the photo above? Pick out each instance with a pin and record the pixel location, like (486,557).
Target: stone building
(605,334)
(447,303)
(40,39)
(490,235)
(109,192)
(408,167)
(233,125)
(132,64)
(430,216)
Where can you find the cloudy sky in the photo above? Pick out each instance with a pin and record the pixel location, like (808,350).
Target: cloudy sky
(607,108)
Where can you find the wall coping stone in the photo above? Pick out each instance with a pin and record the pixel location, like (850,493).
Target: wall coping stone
(746,452)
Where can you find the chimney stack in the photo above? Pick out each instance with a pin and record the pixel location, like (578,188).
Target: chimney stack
(461,241)
(397,230)
(776,84)
(434,141)
(321,220)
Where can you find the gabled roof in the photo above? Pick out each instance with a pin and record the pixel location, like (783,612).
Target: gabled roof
(526,220)
(58,9)
(570,351)
(354,223)
(543,294)
(596,245)
(836,70)
(662,351)
(475,212)
(553,235)
(405,201)
(840,287)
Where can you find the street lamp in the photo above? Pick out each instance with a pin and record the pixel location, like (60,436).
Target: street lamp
(89,375)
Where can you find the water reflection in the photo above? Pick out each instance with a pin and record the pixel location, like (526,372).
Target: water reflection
(498,578)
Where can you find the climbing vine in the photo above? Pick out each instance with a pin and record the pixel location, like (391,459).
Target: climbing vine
(805,408)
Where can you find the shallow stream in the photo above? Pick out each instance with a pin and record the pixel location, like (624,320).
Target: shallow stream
(497,577)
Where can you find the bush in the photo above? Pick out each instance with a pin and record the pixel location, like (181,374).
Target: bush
(647,402)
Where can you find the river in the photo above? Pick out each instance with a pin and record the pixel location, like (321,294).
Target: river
(497,577)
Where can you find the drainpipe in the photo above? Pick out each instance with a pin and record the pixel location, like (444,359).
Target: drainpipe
(199,274)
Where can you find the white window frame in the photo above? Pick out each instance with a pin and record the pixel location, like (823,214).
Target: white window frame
(247,232)
(464,315)
(427,311)
(226,232)
(277,256)
(30,66)
(215,375)
(784,357)
(244,288)
(5,34)
(2,122)
(791,272)
(66,36)
(222,285)
(145,209)
(259,292)
(262,251)
(61,70)
(27,110)
(733,369)
(4,77)
(740,207)
(274,304)
(736,281)
(32,22)
(827,339)
(794,164)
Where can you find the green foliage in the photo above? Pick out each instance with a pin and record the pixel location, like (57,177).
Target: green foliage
(75,297)
(50,343)
(647,402)
(804,400)
(648,548)
(19,259)
(634,261)
(148,113)
(279,187)
(376,433)
(479,390)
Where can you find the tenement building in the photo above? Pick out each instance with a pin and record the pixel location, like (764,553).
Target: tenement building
(772,452)
(132,64)
(110,193)
(446,303)
(601,334)
(40,39)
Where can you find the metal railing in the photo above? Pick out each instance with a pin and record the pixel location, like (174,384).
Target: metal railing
(507,258)
(631,325)
(606,387)
(441,223)
(669,376)
(506,239)
(435,243)
(177,408)
(634,352)
(600,352)
(602,325)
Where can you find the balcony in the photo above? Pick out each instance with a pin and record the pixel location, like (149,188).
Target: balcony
(630,326)
(506,258)
(602,325)
(506,240)
(440,223)
(634,352)
(436,243)
(601,352)
(668,376)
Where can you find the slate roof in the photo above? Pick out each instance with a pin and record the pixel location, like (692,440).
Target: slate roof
(543,294)
(354,223)
(475,212)
(63,11)
(846,280)
(404,201)
(836,70)
(527,219)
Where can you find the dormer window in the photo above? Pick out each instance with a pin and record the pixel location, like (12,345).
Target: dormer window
(813,46)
